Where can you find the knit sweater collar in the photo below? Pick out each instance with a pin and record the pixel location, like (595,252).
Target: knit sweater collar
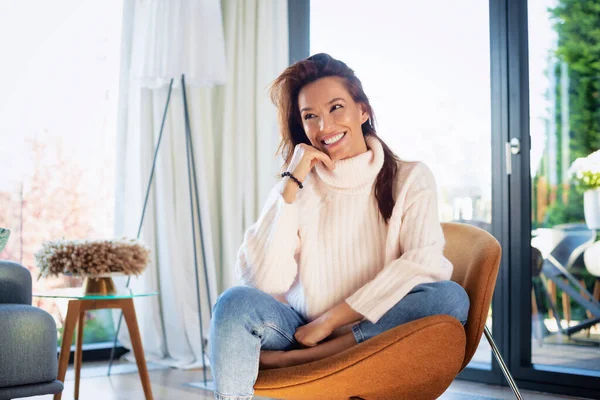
(354,174)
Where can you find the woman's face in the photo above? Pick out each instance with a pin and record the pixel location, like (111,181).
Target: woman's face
(332,119)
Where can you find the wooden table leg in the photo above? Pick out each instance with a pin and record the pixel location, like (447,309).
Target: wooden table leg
(552,293)
(136,343)
(78,351)
(65,346)
(566,302)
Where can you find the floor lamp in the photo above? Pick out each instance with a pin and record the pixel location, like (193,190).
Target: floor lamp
(193,191)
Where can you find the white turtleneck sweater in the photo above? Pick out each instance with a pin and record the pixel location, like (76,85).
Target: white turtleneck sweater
(332,245)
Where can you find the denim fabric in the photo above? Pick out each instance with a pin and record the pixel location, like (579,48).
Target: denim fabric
(246,320)
(446,297)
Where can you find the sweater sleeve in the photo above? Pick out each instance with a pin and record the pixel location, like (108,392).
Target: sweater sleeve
(421,248)
(267,257)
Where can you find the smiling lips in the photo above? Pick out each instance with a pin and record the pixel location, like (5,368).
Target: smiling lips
(333,139)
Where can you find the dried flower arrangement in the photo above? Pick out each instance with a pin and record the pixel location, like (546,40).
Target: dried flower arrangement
(92,257)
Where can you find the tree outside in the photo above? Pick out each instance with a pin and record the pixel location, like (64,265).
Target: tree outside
(577,55)
(53,203)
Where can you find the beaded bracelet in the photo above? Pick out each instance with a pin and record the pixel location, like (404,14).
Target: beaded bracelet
(293,178)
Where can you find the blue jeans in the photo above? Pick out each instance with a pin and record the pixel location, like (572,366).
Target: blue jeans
(246,320)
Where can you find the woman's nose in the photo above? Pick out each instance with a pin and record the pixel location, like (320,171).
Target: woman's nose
(326,123)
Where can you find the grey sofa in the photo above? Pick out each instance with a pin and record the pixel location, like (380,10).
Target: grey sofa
(28,350)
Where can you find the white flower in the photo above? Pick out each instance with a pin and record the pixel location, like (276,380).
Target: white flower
(591,164)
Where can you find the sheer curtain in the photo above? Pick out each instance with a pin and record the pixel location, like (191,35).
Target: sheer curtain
(256,37)
(235,138)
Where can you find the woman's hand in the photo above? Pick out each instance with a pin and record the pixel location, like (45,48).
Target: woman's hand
(312,333)
(321,328)
(304,159)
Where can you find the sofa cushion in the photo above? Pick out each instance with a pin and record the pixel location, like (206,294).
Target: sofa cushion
(28,348)
(37,389)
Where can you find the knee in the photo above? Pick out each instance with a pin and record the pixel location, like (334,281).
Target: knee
(235,301)
(453,300)
(458,300)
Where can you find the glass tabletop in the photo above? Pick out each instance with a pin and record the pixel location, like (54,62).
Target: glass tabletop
(79,294)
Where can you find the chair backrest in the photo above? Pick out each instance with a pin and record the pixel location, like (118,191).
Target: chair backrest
(578,237)
(566,243)
(475,255)
(15,283)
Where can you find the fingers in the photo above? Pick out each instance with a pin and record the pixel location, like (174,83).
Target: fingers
(300,339)
(326,159)
(304,159)
(319,155)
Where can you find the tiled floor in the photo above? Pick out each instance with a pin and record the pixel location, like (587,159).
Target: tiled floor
(169,383)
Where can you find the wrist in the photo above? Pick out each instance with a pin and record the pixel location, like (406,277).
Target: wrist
(293,178)
(290,189)
(300,173)
(330,319)
(340,315)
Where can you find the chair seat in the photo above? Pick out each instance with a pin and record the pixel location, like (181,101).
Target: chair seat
(417,360)
(28,352)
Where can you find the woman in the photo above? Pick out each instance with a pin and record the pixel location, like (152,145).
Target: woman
(348,245)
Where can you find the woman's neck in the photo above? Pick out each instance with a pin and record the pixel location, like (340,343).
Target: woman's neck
(355,174)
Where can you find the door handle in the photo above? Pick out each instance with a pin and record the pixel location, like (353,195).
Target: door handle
(512,147)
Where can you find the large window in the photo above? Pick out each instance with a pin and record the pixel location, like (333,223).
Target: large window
(58,104)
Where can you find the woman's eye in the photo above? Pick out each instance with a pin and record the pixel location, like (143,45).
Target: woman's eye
(308,116)
(336,106)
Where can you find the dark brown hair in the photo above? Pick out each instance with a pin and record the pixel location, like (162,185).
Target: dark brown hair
(284,93)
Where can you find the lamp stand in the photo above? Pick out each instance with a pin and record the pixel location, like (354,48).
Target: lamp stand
(193,191)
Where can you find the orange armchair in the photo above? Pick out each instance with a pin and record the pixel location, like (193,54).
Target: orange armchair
(417,360)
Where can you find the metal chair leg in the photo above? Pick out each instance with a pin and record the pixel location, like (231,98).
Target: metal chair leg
(503,367)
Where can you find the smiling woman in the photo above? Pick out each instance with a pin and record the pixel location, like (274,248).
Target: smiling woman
(332,119)
(349,244)
(318,100)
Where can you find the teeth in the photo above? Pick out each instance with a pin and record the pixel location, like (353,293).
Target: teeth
(334,139)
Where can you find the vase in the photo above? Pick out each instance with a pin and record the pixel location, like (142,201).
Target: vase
(99,285)
(591,208)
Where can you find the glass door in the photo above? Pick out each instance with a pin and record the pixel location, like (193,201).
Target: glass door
(555,113)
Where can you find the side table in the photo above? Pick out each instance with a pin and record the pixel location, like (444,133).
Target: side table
(79,303)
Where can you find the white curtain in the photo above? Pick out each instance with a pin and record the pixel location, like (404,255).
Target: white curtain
(256,37)
(235,137)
